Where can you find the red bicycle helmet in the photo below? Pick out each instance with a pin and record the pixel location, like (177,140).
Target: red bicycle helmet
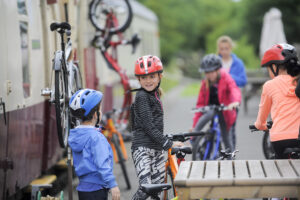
(148,65)
(279,54)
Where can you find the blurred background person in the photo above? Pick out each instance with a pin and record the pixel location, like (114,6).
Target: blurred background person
(234,66)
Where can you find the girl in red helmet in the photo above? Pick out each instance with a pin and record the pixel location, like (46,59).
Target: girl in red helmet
(279,98)
(149,142)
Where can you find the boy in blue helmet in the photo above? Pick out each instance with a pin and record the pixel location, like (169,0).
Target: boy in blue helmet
(92,154)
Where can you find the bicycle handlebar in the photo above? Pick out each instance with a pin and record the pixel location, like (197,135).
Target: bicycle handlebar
(210,107)
(253,128)
(182,137)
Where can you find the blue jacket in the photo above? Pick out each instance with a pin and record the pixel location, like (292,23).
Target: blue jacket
(92,156)
(237,71)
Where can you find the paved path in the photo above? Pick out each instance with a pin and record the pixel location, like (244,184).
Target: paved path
(178,118)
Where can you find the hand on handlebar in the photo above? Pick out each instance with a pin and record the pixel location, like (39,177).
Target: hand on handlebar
(233,105)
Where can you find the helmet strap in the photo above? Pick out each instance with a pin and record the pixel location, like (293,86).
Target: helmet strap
(98,119)
(275,72)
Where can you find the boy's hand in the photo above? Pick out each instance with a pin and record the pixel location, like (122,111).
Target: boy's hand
(177,144)
(233,105)
(115,193)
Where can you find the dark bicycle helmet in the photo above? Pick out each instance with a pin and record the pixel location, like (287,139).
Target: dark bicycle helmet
(282,54)
(210,62)
(84,101)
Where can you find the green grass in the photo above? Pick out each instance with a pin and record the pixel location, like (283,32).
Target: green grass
(167,84)
(191,90)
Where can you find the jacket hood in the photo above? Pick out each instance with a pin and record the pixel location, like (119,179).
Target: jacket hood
(79,137)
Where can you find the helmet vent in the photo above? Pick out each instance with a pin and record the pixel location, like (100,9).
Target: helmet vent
(82,101)
(141,65)
(87,93)
(149,64)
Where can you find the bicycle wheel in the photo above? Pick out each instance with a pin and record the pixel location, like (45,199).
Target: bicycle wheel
(115,15)
(115,141)
(169,194)
(200,145)
(267,147)
(61,108)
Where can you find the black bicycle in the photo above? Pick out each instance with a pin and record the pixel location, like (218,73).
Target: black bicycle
(266,142)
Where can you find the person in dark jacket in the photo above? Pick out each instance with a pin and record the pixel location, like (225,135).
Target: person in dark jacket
(92,154)
(149,142)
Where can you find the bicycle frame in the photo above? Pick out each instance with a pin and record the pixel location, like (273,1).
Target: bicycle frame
(112,60)
(111,130)
(171,167)
(214,130)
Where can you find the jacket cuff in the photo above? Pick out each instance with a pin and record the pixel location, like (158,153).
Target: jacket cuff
(167,145)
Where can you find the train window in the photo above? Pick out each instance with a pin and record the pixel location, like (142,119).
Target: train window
(22,7)
(25,57)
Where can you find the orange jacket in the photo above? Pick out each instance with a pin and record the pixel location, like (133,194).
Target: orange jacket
(278,97)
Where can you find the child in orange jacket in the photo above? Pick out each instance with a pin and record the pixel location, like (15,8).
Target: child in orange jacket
(278,98)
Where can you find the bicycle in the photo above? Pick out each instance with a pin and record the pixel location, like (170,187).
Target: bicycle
(115,139)
(266,142)
(67,81)
(175,156)
(208,146)
(113,18)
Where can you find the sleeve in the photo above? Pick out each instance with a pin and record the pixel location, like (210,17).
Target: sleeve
(239,73)
(235,92)
(297,91)
(264,109)
(200,103)
(103,161)
(144,113)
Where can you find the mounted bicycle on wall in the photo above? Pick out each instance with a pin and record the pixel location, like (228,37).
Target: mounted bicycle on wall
(113,18)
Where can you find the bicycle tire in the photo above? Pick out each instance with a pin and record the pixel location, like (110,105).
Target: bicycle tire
(268,150)
(115,141)
(198,149)
(94,13)
(61,108)
(171,193)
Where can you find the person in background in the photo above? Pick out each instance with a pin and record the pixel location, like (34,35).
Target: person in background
(234,66)
(278,98)
(92,154)
(149,142)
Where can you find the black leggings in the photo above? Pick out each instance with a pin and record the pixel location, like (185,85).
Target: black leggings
(281,145)
(95,195)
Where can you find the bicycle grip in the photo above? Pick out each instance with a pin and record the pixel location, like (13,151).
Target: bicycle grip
(252,127)
(194,134)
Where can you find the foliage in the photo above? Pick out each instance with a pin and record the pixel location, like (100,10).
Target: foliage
(193,26)
(191,90)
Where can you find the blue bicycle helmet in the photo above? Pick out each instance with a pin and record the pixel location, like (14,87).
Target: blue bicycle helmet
(84,101)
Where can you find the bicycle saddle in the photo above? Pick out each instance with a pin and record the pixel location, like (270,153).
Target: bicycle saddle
(64,25)
(187,150)
(155,188)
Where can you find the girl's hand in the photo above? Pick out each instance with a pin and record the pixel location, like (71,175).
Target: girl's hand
(115,193)
(177,144)
(233,105)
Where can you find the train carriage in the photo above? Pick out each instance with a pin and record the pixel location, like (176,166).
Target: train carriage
(28,139)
